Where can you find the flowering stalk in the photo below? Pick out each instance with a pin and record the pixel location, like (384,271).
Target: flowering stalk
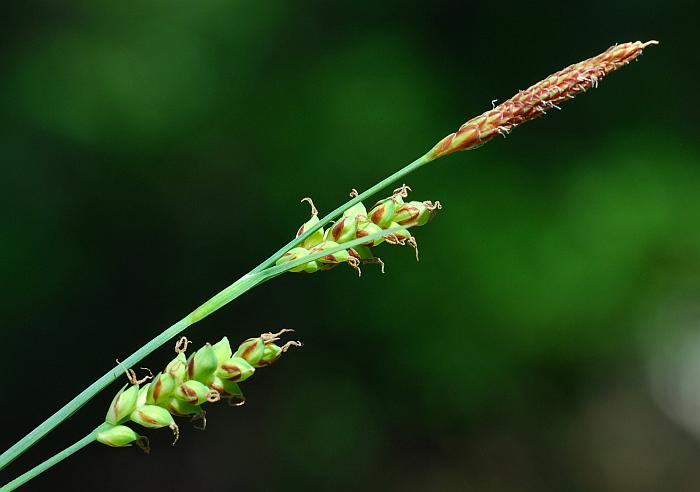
(534,101)
(526,105)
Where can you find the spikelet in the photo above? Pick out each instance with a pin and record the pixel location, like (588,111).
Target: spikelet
(210,375)
(537,99)
(356,223)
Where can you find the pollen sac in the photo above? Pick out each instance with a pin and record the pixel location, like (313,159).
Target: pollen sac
(222,349)
(413,214)
(365,228)
(123,404)
(314,238)
(152,417)
(202,364)
(344,230)
(161,388)
(251,350)
(235,369)
(117,436)
(383,212)
(192,392)
(177,367)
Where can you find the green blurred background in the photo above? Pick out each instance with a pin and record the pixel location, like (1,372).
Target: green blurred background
(154,151)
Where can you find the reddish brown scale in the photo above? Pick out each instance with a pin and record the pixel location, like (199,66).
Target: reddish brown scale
(249,349)
(376,217)
(412,210)
(157,387)
(534,101)
(338,228)
(148,419)
(233,372)
(190,366)
(189,392)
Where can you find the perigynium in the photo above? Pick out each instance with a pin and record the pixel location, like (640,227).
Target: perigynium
(212,373)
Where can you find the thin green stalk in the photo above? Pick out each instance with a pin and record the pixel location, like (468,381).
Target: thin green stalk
(246,283)
(241,286)
(57,458)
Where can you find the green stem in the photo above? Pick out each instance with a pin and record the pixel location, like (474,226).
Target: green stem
(258,275)
(57,458)
(228,294)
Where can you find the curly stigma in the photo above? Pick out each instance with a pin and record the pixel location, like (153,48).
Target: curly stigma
(534,101)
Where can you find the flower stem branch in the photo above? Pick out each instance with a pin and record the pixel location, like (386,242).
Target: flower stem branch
(257,276)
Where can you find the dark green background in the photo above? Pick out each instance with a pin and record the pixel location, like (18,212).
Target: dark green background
(154,151)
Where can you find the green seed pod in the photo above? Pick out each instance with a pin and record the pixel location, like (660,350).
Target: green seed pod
(332,258)
(180,408)
(355,210)
(142,397)
(177,367)
(251,350)
(202,364)
(155,417)
(222,349)
(235,369)
(398,237)
(122,405)
(117,436)
(227,389)
(152,417)
(295,254)
(162,388)
(314,238)
(412,214)
(344,230)
(383,212)
(192,392)
(271,354)
(361,253)
(365,228)
(312,267)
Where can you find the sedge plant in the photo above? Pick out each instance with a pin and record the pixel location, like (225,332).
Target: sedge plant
(213,372)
